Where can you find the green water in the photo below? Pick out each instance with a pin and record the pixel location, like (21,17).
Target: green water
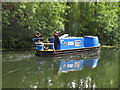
(22,69)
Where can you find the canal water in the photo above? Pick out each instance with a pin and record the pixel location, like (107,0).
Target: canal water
(22,69)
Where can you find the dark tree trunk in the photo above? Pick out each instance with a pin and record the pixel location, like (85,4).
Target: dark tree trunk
(95,13)
(67,17)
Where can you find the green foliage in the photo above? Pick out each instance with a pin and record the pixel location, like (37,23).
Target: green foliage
(21,20)
(44,17)
(95,18)
(108,21)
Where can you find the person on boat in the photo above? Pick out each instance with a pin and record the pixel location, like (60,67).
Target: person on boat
(56,40)
(37,41)
(38,35)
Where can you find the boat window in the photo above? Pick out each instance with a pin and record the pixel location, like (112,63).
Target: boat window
(70,43)
(77,43)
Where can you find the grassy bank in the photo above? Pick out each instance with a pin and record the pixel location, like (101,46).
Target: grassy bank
(108,46)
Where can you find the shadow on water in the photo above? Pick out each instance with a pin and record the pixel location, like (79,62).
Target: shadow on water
(94,69)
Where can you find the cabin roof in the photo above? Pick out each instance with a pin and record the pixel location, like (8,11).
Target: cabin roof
(70,37)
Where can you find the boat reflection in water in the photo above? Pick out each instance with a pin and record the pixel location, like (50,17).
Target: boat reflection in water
(49,70)
(66,66)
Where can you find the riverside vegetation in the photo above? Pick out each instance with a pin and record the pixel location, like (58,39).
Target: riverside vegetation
(21,20)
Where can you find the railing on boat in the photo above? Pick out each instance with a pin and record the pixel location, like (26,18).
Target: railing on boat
(41,43)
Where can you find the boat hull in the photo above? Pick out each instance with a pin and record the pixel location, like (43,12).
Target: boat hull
(67,52)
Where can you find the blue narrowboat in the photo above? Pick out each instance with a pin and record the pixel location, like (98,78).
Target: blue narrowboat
(66,45)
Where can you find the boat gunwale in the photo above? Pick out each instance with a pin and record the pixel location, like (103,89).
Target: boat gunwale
(69,49)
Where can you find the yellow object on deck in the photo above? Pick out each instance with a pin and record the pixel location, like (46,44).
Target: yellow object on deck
(48,50)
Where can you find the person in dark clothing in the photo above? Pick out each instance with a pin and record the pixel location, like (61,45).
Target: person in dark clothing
(56,40)
(38,40)
(38,35)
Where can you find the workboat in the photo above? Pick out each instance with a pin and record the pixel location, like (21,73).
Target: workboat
(66,45)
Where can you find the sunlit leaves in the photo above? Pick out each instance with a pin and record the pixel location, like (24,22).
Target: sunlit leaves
(76,18)
(95,18)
